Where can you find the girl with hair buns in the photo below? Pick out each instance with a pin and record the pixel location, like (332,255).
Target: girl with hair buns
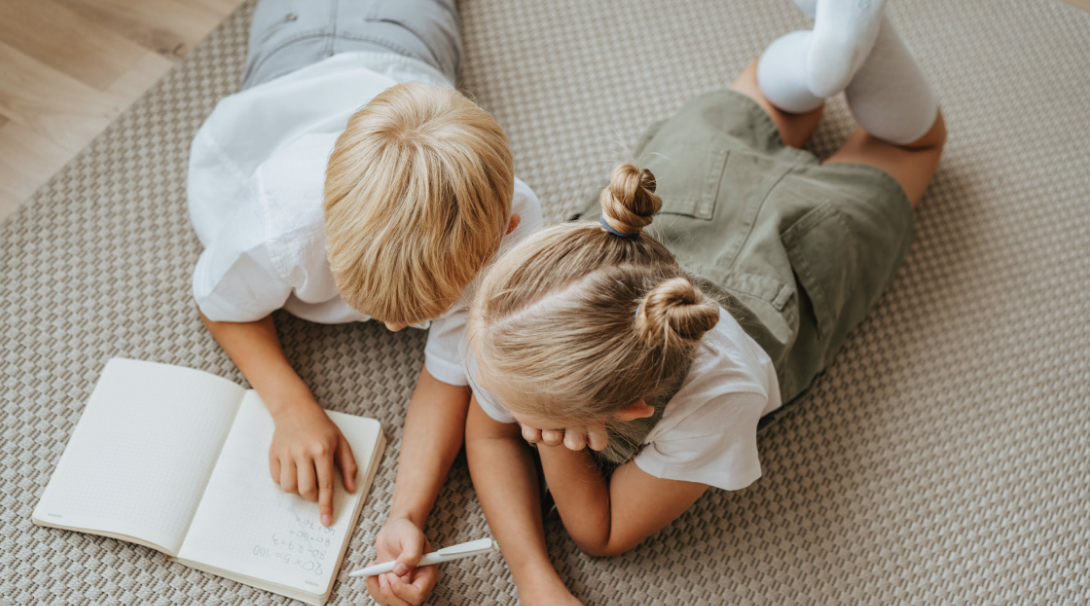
(641,366)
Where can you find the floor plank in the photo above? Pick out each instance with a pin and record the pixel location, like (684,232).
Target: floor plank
(69,67)
(166,27)
(66,42)
(52,104)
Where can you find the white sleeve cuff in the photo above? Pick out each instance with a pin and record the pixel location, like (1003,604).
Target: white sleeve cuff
(719,478)
(497,414)
(451,374)
(219,310)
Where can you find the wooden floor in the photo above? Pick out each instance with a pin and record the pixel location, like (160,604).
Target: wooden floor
(69,67)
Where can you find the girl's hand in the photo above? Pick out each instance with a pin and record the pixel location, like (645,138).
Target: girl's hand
(573,438)
(407,585)
(305,447)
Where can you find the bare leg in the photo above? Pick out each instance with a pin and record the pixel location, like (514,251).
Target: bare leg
(794,129)
(912,165)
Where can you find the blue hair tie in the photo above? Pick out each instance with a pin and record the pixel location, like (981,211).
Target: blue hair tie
(602,220)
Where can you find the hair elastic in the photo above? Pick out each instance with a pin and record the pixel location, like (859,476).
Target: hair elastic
(638,308)
(602,220)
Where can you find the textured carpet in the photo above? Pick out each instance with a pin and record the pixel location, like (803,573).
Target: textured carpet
(942,459)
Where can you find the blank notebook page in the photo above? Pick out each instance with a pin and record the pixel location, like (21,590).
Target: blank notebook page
(142,453)
(246,524)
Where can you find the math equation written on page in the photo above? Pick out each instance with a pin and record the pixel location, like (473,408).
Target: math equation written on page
(307,547)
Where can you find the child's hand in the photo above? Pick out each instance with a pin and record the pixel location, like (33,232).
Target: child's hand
(402,540)
(573,438)
(305,447)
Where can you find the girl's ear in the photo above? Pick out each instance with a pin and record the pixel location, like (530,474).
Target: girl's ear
(639,410)
(514,223)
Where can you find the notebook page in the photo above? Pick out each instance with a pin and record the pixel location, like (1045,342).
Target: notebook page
(246,525)
(142,452)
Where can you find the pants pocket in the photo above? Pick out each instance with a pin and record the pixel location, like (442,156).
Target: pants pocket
(821,248)
(272,16)
(422,27)
(690,178)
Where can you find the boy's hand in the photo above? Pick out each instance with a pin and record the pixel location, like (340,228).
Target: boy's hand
(305,447)
(573,438)
(407,585)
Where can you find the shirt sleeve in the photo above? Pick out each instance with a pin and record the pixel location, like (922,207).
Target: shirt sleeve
(715,445)
(488,404)
(443,353)
(237,284)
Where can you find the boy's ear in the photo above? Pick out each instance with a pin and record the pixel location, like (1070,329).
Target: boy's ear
(639,410)
(513,224)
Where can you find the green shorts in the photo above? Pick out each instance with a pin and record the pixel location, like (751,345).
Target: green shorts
(797,251)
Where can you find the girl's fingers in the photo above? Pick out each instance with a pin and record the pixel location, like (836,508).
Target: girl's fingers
(407,592)
(287,476)
(306,482)
(424,579)
(384,588)
(552,437)
(390,594)
(575,439)
(597,438)
(374,589)
(531,434)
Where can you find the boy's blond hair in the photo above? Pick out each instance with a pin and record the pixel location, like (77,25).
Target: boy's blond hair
(417,198)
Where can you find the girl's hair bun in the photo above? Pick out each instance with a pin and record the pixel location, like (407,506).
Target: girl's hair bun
(675,314)
(629,203)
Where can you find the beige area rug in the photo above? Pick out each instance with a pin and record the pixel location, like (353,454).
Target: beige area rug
(943,458)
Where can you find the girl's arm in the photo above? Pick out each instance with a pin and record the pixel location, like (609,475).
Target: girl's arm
(506,482)
(610,516)
(430,441)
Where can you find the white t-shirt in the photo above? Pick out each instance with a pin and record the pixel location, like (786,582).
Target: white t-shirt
(708,431)
(256,188)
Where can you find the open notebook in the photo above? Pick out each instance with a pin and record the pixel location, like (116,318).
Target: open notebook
(177,459)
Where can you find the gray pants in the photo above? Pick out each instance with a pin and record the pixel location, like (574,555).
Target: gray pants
(290,34)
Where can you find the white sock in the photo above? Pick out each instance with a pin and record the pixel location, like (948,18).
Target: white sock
(844,32)
(889,96)
(783,75)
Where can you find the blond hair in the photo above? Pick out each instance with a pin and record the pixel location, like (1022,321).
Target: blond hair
(580,322)
(417,198)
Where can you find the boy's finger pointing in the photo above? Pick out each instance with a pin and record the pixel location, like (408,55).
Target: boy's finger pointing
(326,475)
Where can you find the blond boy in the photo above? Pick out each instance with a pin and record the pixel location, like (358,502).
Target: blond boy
(349,181)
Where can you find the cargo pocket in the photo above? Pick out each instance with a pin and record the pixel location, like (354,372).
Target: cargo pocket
(688,179)
(821,249)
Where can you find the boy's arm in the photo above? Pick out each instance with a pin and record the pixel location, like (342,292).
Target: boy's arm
(306,443)
(608,516)
(506,482)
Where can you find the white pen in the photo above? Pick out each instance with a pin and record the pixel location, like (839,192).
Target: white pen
(446,554)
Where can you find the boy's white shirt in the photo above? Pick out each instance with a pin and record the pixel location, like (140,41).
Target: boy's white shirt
(255,192)
(708,431)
